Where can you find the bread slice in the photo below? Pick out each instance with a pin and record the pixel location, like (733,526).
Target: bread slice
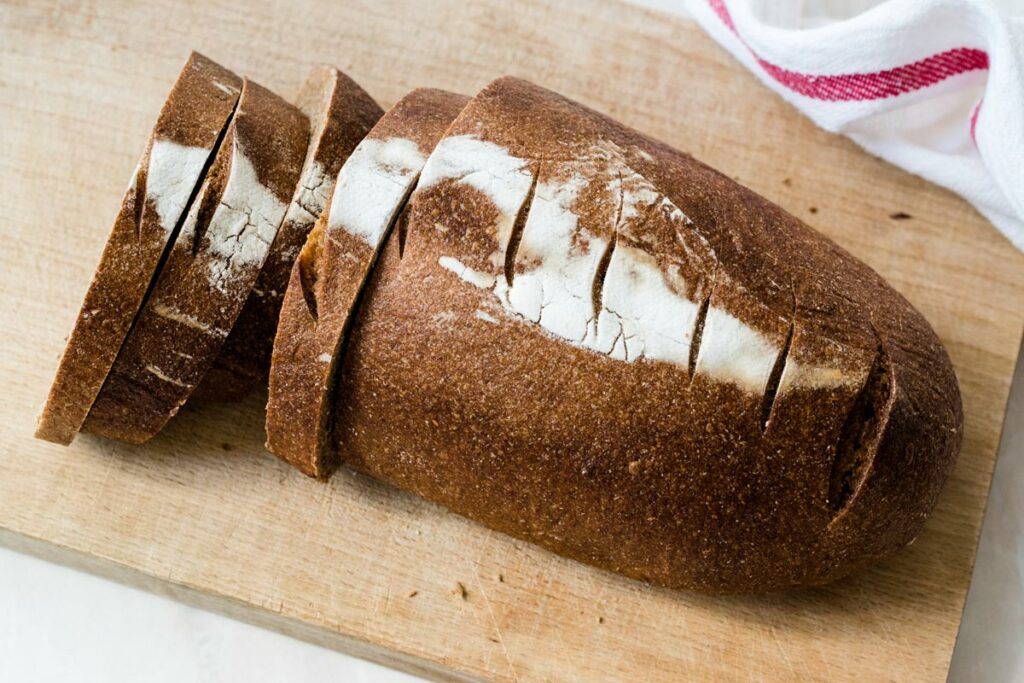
(341,114)
(181,145)
(329,274)
(210,270)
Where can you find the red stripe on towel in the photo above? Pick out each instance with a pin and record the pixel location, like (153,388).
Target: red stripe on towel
(869,86)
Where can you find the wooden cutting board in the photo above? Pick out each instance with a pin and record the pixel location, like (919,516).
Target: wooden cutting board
(204,514)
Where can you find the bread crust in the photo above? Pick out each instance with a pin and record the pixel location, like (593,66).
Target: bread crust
(329,274)
(594,342)
(341,114)
(210,270)
(183,139)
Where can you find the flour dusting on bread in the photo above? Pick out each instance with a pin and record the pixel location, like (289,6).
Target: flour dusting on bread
(173,171)
(311,196)
(484,166)
(378,174)
(243,227)
(636,311)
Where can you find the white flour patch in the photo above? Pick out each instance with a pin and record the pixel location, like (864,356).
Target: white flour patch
(291,253)
(557,292)
(173,173)
(485,316)
(172,313)
(473,277)
(482,165)
(640,316)
(159,374)
(635,192)
(311,195)
(225,88)
(243,226)
(371,186)
(732,351)
(324,358)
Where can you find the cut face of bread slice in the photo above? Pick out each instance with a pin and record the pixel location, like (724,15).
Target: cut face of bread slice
(210,270)
(191,122)
(341,114)
(326,280)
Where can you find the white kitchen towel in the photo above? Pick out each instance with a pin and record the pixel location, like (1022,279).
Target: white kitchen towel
(933,86)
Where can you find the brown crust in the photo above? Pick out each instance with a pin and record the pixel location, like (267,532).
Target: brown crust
(341,113)
(831,457)
(329,275)
(194,114)
(210,270)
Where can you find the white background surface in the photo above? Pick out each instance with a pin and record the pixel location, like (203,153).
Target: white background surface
(57,624)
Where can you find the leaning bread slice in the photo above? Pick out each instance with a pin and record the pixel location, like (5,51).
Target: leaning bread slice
(329,274)
(341,114)
(210,270)
(183,141)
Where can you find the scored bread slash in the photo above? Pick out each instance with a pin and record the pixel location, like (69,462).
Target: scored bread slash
(181,145)
(210,270)
(341,113)
(323,290)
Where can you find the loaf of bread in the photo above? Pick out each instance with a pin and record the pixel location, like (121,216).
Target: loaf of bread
(367,203)
(341,114)
(595,343)
(524,311)
(182,144)
(210,270)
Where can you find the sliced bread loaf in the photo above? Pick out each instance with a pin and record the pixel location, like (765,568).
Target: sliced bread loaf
(323,291)
(341,114)
(186,135)
(210,270)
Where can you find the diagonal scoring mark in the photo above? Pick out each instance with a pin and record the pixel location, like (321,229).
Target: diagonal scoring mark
(859,438)
(518,226)
(698,334)
(771,391)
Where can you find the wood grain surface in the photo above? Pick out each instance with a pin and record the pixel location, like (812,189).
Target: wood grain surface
(203,513)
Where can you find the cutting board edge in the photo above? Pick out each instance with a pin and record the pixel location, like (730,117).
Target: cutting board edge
(232,608)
